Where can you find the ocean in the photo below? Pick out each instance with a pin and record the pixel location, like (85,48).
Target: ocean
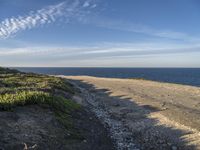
(186,76)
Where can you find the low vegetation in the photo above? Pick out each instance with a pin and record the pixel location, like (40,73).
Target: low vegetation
(21,89)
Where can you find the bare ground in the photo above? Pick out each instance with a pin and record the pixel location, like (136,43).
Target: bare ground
(36,128)
(143,114)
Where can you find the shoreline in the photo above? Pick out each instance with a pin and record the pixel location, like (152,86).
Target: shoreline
(185,76)
(141,105)
(130,78)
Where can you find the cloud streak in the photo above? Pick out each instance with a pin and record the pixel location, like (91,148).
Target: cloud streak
(141,54)
(78,9)
(126,26)
(67,9)
(104,50)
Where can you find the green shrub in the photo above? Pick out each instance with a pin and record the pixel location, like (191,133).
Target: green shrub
(8,101)
(20,89)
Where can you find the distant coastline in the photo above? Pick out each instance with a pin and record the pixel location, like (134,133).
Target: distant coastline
(185,76)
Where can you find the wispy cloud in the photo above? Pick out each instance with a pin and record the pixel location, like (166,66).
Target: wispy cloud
(70,9)
(128,26)
(78,9)
(121,54)
(102,50)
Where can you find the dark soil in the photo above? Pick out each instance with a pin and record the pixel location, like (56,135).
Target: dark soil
(34,127)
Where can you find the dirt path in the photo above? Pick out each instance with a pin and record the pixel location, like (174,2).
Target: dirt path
(144,114)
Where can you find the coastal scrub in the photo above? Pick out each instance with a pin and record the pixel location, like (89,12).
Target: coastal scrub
(21,89)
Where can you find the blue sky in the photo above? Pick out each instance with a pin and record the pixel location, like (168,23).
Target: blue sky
(100,33)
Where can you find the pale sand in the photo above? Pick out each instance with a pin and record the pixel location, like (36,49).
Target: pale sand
(152,111)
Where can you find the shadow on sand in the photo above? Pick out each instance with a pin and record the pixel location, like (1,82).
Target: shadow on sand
(147,132)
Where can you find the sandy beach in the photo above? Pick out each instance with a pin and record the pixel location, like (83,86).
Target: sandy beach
(143,114)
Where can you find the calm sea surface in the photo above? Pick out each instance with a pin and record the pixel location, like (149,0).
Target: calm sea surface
(188,76)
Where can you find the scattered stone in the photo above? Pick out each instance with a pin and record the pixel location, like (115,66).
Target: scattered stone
(169,144)
(118,131)
(84,141)
(174,148)
(116,105)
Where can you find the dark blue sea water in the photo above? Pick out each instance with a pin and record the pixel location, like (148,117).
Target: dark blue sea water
(188,76)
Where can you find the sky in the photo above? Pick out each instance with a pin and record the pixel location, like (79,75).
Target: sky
(100,33)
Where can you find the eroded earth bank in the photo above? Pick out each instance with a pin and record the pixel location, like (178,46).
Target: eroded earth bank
(37,113)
